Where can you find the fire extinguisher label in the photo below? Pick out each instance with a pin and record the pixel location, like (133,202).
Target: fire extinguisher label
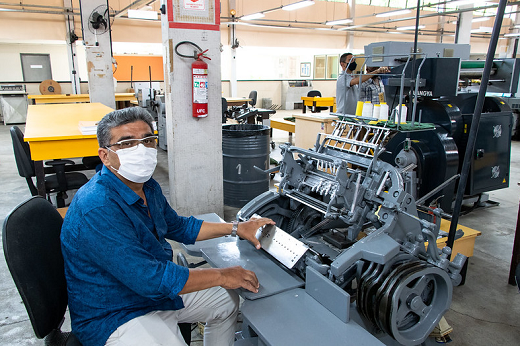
(200,88)
(200,71)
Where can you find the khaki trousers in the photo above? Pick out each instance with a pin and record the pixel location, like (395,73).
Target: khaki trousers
(216,306)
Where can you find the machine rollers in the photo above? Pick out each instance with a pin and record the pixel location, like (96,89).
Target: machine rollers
(404,299)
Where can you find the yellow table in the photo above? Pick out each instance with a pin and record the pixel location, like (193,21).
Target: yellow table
(237,101)
(121,98)
(284,125)
(464,245)
(53,133)
(318,102)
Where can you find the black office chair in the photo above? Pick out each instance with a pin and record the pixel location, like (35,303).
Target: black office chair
(225,112)
(91,162)
(314,93)
(253,96)
(32,250)
(60,182)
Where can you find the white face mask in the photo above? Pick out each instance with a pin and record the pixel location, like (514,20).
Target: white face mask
(136,164)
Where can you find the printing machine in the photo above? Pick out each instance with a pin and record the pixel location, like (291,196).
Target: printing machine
(347,262)
(447,90)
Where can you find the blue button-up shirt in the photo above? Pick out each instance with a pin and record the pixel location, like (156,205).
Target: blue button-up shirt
(118,263)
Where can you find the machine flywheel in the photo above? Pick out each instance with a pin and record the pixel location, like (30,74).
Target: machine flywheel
(408,302)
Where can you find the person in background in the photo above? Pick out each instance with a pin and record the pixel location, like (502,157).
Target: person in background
(347,85)
(123,287)
(372,89)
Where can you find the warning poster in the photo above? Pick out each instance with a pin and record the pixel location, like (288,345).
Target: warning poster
(196,5)
(194,14)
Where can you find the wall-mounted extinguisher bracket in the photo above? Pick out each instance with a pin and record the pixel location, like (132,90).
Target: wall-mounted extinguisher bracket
(199,73)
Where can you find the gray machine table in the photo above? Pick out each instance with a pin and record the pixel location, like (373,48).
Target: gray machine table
(282,312)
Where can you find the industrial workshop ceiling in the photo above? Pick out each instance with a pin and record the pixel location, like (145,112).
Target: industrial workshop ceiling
(436,17)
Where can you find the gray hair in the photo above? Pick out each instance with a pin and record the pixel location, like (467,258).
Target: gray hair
(118,118)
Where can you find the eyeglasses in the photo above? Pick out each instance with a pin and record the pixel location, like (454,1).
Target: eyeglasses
(149,142)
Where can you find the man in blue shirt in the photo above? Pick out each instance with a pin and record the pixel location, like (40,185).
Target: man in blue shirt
(123,287)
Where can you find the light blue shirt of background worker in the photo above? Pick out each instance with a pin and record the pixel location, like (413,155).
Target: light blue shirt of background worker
(123,287)
(347,85)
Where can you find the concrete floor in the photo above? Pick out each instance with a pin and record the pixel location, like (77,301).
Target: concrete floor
(485,311)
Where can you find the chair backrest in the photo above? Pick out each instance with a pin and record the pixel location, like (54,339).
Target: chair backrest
(224,110)
(253,95)
(22,153)
(314,93)
(32,249)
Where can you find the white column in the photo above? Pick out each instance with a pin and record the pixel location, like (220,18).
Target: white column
(351,12)
(512,40)
(464,25)
(98,45)
(194,144)
(71,47)
(233,83)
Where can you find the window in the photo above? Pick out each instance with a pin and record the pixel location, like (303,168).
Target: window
(332,66)
(326,66)
(320,66)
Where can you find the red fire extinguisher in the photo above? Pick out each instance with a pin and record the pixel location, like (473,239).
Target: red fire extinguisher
(199,73)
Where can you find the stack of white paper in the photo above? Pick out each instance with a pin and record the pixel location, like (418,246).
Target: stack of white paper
(88,127)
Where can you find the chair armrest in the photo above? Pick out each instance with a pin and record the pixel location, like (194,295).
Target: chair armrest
(59,162)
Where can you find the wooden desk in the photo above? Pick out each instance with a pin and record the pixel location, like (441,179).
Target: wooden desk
(237,101)
(121,98)
(53,133)
(318,102)
(308,126)
(284,125)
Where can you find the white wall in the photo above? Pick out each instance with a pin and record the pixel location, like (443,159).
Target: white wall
(11,67)
(264,53)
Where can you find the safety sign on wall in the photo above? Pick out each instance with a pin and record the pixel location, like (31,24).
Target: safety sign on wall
(197,5)
(194,14)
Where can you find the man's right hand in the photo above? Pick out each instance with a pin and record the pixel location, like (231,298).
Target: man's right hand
(238,277)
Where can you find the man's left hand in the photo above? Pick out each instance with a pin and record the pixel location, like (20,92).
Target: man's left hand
(247,230)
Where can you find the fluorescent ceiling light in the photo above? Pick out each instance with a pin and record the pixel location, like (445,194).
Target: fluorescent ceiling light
(512,34)
(235,23)
(482,29)
(465,2)
(395,32)
(351,27)
(411,27)
(253,16)
(460,2)
(140,14)
(340,21)
(298,5)
(480,19)
(393,13)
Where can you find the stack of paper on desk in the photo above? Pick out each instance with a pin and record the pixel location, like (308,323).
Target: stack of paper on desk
(88,127)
